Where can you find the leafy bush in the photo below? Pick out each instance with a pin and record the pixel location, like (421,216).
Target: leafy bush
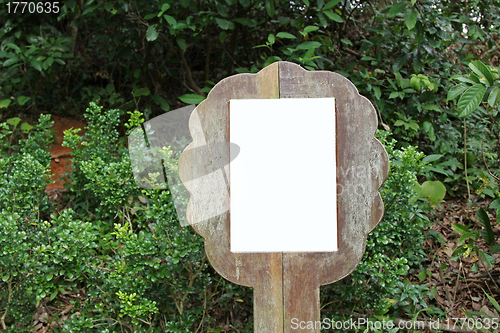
(117,259)
(24,174)
(393,249)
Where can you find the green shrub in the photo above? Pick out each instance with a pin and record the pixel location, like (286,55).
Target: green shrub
(24,174)
(392,249)
(119,260)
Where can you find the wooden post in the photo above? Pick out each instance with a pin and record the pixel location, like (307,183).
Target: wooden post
(286,284)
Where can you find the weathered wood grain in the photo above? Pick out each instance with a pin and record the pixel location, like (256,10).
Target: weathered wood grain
(362,166)
(209,124)
(286,285)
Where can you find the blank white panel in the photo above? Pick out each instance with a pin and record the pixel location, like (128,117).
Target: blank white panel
(283,182)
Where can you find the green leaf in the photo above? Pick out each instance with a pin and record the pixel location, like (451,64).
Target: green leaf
(222,9)
(396,9)
(489,235)
(457,90)
(411,18)
(170,20)
(333,16)
(151,33)
(49,276)
(488,259)
(164,8)
(48,62)
(162,102)
(13,121)
(331,4)
(430,106)
(495,248)
(285,35)
(271,39)
(270,7)
(346,41)
(271,60)
(191,98)
(141,92)
(460,228)
(14,47)
(310,28)
(308,45)
(4,103)
(422,276)
(10,61)
(224,24)
(394,94)
(415,83)
(182,43)
(413,125)
(464,237)
(53,295)
(377,92)
(25,128)
(440,238)
(494,97)
(470,100)
(5,277)
(434,191)
(495,204)
(463,78)
(36,64)
(432,158)
(482,71)
(493,301)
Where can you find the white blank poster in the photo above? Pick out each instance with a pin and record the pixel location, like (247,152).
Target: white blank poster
(283,182)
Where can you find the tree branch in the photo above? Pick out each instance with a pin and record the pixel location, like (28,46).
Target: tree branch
(189,75)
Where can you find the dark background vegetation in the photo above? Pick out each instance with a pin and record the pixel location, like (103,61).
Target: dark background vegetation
(106,256)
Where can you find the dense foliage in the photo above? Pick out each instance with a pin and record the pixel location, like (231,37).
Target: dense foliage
(122,255)
(146,55)
(115,258)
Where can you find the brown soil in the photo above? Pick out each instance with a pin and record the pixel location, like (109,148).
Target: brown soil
(61,157)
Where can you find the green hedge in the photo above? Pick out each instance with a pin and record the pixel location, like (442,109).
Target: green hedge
(117,259)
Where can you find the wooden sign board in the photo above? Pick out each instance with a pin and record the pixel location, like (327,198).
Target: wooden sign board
(286,284)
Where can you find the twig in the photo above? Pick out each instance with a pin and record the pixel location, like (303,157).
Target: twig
(457,284)
(44,304)
(445,286)
(9,287)
(204,311)
(189,75)
(485,164)
(352,52)
(465,158)
(488,271)
(384,125)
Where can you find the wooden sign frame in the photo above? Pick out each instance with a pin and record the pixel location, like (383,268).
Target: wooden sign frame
(286,284)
